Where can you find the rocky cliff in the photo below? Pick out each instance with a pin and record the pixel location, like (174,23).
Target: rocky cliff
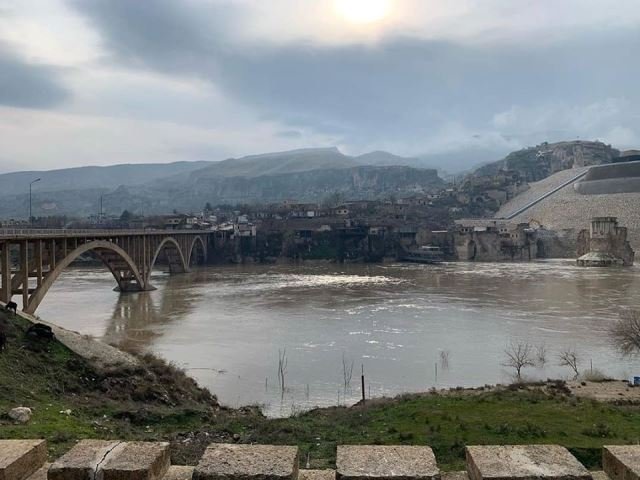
(536,163)
(361,182)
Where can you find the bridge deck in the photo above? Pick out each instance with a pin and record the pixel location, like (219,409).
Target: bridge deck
(32,233)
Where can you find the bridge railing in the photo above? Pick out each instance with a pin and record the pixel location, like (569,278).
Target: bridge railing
(87,232)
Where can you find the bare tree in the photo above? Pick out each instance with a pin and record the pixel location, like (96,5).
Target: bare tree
(282,368)
(625,333)
(569,358)
(444,359)
(541,355)
(518,356)
(347,371)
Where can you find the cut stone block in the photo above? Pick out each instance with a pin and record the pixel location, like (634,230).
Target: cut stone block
(524,462)
(364,462)
(41,473)
(621,462)
(459,475)
(136,461)
(21,458)
(82,461)
(599,475)
(317,475)
(179,472)
(247,462)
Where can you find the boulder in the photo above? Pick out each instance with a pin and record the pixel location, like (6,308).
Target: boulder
(20,414)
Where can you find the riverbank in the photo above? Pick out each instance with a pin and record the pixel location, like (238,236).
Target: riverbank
(71,400)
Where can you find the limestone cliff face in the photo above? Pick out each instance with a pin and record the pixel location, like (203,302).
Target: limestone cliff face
(537,163)
(361,182)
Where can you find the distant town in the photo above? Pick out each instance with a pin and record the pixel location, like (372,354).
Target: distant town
(506,211)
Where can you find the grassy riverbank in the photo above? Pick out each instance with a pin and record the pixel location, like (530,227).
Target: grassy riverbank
(71,400)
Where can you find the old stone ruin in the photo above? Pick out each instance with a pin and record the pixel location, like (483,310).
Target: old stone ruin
(116,460)
(491,240)
(604,245)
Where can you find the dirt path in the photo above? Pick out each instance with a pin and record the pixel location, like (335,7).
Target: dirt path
(610,391)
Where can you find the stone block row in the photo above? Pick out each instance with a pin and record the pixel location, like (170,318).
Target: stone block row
(114,460)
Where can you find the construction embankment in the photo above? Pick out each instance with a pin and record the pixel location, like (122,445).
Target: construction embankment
(568,210)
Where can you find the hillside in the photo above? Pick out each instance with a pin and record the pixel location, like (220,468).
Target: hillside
(301,160)
(306,174)
(81,178)
(359,182)
(535,163)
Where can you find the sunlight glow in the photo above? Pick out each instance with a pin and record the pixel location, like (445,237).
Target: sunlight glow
(363,11)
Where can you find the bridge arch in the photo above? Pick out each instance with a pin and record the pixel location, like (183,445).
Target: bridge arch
(197,241)
(126,274)
(175,256)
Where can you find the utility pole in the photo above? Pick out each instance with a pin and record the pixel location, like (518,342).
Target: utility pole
(30,203)
(101,211)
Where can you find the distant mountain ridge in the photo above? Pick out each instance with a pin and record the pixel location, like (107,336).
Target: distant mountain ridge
(112,176)
(306,174)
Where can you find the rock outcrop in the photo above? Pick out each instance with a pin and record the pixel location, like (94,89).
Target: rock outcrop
(536,163)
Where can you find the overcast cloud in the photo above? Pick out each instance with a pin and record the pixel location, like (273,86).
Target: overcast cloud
(112,81)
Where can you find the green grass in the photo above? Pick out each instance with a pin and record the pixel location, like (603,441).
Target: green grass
(448,423)
(160,402)
(146,403)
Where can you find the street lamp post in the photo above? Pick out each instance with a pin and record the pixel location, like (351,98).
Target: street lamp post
(30,203)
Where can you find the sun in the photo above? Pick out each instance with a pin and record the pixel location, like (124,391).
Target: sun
(363,11)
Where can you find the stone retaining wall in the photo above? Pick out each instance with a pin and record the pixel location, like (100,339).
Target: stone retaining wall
(117,460)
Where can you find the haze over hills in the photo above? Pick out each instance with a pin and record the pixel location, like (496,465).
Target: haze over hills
(80,178)
(307,175)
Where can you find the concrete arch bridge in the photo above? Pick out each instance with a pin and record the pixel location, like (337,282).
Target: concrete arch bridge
(31,260)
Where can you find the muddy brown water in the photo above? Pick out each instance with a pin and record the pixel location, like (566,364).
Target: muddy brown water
(412,327)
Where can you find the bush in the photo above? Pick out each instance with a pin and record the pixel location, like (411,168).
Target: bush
(596,375)
(599,430)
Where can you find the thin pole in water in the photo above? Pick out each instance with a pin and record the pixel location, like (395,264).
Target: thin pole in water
(362,378)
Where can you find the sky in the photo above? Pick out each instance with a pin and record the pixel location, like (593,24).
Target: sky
(99,82)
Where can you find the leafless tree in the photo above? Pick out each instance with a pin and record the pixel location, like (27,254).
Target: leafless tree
(347,371)
(282,367)
(541,355)
(444,359)
(625,333)
(569,358)
(518,356)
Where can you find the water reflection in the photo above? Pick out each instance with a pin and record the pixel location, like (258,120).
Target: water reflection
(137,322)
(227,324)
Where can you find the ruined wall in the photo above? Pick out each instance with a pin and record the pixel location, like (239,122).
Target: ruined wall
(491,246)
(606,239)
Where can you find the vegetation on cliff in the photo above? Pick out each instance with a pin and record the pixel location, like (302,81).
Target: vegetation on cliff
(71,400)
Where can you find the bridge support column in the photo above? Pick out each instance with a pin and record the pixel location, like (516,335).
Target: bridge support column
(24,271)
(39,262)
(5,266)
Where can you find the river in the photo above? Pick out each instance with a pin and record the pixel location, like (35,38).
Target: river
(411,327)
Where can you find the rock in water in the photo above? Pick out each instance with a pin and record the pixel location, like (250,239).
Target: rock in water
(20,414)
